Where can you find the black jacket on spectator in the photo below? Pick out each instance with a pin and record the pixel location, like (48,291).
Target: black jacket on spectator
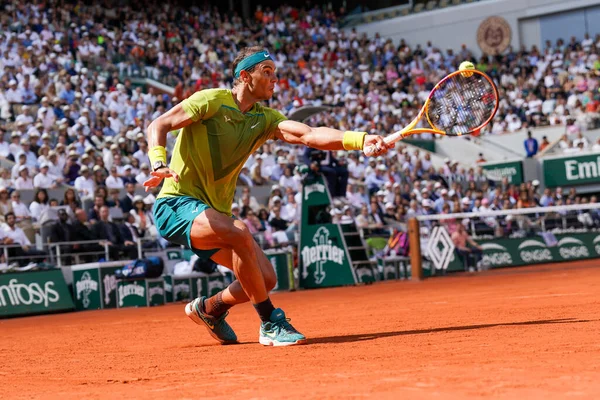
(62,232)
(278,224)
(126,204)
(82,232)
(126,232)
(108,231)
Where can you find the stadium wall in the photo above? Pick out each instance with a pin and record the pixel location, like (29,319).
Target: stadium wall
(531,22)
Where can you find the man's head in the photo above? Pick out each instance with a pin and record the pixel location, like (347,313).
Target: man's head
(254,69)
(104,213)
(10,219)
(98,201)
(81,215)
(62,215)
(130,187)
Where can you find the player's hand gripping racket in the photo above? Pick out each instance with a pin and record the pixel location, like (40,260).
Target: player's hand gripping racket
(460,104)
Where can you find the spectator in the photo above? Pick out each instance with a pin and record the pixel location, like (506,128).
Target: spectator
(94,212)
(114,181)
(71,168)
(109,232)
(252,222)
(81,231)
(545,143)
(143,219)
(127,200)
(39,205)
(62,231)
(467,248)
(85,184)
(24,181)
(531,145)
(44,180)
(70,199)
(144,174)
(13,235)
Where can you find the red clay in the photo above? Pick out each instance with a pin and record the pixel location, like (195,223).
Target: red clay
(521,333)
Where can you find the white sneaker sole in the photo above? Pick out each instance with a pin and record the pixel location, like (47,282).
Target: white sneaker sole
(191,312)
(266,341)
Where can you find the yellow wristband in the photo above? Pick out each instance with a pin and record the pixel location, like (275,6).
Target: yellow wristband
(353,140)
(157,153)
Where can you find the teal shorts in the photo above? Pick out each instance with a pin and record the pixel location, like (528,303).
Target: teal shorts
(174,217)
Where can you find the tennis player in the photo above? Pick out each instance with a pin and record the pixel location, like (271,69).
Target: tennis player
(220,129)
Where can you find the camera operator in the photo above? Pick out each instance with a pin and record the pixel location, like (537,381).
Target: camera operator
(335,170)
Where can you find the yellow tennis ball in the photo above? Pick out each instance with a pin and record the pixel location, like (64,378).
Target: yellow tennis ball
(466,65)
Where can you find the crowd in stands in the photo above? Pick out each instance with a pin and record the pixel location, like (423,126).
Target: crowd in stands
(72,115)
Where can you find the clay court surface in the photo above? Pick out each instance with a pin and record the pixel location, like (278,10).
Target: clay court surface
(522,333)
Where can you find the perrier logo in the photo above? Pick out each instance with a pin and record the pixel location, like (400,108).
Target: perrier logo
(130,290)
(84,287)
(322,252)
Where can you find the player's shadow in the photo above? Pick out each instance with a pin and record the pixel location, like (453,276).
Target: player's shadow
(377,335)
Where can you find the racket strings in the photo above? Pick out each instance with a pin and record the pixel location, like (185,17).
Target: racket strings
(461,104)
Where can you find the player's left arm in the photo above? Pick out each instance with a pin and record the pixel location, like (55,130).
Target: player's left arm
(324,138)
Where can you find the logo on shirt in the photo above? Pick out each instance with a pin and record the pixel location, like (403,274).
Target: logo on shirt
(255,125)
(227,119)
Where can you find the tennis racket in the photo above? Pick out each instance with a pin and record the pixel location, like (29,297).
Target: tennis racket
(460,104)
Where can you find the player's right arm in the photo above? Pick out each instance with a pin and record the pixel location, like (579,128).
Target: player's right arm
(183,114)
(175,118)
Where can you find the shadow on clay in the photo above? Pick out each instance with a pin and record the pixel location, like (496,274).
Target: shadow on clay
(378,335)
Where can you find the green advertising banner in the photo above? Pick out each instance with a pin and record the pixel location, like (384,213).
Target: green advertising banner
(132,294)
(108,281)
(168,279)
(207,285)
(156,292)
(182,289)
(526,251)
(283,265)
(324,258)
(34,293)
(86,287)
(513,170)
(572,170)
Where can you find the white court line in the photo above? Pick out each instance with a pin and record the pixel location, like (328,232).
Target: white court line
(547,295)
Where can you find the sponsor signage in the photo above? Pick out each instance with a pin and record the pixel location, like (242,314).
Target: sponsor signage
(86,287)
(572,170)
(132,294)
(324,259)
(497,171)
(494,35)
(283,265)
(440,248)
(33,293)
(534,250)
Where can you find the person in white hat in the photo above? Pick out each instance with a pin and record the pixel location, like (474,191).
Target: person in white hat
(25,116)
(85,184)
(24,181)
(44,180)
(13,95)
(376,179)
(443,199)
(278,169)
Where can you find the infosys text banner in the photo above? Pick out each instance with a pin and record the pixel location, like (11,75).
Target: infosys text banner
(533,250)
(572,170)
(33,293)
